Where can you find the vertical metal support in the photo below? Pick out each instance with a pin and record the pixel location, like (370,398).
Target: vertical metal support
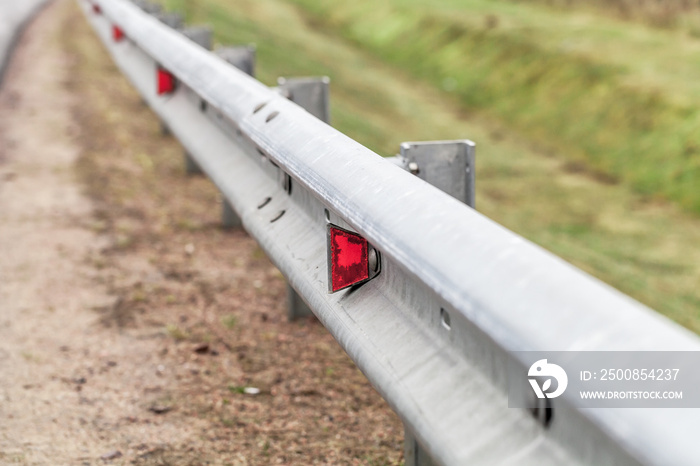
(201,35)
(450,167)
(413,454)
(242,58)
(173,20)
(170,18)
(149,7)
(296,306)
(191,167)
(229,218)
(312,94)
(447,165)
(152,9)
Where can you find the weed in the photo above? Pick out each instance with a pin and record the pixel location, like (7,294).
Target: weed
(236,389)
(176,332)
(229,321)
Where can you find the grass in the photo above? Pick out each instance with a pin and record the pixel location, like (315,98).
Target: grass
(524,66)
(229,321)
(176,332)
(389,86)
(665,14)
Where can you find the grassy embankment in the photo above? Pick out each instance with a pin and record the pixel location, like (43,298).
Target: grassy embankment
(593,89)
(531,176)
(683,14)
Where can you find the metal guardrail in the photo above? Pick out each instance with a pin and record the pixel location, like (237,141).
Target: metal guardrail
(458,295)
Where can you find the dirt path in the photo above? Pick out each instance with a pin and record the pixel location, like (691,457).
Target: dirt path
(66,380)
(130,323)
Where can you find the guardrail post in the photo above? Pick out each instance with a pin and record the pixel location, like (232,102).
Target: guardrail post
(170,18)
(149,7)
(229,217)
(413,454)
(243,58)
(312,95)
(450,167)
(201,35)
(173,20)
(447,165)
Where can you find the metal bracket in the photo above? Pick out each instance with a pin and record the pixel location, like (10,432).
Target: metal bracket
(447,165)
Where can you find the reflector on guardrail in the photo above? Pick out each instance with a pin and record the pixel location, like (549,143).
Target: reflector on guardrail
(351,259)
(166,81)
(117,33)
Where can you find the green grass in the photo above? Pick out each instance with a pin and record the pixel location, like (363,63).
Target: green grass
(547,76)
(646,247)
(664,14)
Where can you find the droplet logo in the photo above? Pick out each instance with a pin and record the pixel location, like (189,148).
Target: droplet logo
(543,370)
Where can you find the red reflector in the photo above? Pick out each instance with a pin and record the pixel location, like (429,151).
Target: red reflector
(117,33)
(166,82)
(96,8)
(348,259)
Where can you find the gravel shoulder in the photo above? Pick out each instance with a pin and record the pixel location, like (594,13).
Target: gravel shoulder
(131,324)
